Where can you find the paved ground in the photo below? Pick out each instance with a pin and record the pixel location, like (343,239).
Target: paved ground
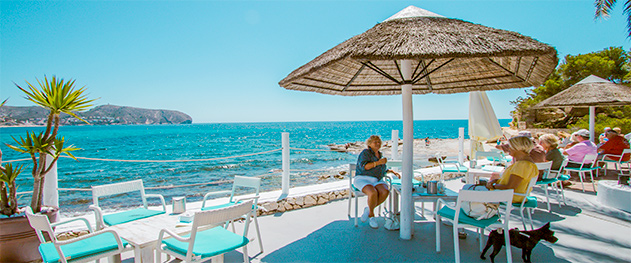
(587,232)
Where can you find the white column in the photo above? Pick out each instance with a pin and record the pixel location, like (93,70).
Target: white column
(285,163)
(461,145)
(50,193)
(395,145)
(592,123)
(407,205)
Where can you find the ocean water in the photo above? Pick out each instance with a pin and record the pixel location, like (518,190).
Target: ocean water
(203,141)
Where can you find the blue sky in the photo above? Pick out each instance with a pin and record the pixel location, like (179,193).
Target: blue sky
(220,61)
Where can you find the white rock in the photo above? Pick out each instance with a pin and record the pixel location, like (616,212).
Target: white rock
(322,201)
(300,200)
(309,200)
(288,206)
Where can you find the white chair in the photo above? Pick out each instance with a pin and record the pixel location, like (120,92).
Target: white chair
(547,178)
(589,165)
(90,247)
(460,219)
(618,164)
(354,193)
(252,183)
(103,220)
(201,245)
(447,166)
(528,203)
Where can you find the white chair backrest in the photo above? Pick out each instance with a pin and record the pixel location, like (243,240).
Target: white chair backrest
(589,159)
(531,184)
(247,182)
(558,172)
(118,188)
(41,224)
(545,167)
(439,159)
(352,168)
(221,215)
(497,196)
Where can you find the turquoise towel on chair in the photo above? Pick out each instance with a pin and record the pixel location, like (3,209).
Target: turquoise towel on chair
(128,216)
(397,181)
(453,169)
(87,247)
(208,243)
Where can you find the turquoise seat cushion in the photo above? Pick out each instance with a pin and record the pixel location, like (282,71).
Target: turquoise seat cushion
(547,181)
(208,243)
(584,169)
(397,181)
(87,247)
(218,206)
(531,202)
(128,216)
(463,218)
(564,177)
(454,169)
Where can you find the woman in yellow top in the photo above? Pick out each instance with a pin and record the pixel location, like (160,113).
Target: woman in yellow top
(517,175)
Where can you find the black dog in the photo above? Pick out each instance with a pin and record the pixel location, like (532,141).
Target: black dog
(526,240)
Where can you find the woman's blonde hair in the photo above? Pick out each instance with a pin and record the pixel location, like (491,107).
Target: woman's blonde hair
(372,139)
(521,143)
(550,139)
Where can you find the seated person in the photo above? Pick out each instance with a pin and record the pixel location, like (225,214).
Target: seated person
(549,142)
(371,168)
(517,175)
(614,145)
(602,138)
(584,146)
(538,154)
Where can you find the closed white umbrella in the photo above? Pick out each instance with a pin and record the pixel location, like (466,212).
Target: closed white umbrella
(483,124)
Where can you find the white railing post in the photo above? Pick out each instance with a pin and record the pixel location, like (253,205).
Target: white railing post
(285,163)
(461,145)
(50,193)
(395,145)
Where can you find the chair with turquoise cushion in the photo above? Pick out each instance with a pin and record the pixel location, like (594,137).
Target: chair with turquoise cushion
(546,178)
(90,247)
(528,203)
(554,179)
(460,219)
(240,182)
(103,220)
(449,166)
(609,158)
(354,193)
(201,245)
(588,165)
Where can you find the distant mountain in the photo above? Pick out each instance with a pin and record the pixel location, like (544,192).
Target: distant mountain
(99,115)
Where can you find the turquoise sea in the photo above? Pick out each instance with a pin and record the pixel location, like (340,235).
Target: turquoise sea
(203,141)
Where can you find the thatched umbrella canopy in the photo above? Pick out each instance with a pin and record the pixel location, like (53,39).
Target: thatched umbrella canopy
(590,92)
(417,52)
(448,56)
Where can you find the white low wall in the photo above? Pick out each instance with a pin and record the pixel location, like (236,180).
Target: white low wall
(612,194)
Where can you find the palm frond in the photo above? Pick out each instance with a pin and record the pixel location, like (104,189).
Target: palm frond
(603,8)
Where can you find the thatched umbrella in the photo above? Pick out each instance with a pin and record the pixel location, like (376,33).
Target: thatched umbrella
(417,52)
(590,92)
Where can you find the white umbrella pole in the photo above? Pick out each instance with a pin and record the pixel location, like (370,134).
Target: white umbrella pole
(461,145)
(407,206)
(395,145)
(592,123)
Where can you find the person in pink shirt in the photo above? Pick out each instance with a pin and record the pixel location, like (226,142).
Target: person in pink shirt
(577,152)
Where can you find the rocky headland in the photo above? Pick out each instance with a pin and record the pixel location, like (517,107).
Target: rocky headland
(99,115)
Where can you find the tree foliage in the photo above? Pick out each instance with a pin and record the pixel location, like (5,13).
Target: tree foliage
(613,64)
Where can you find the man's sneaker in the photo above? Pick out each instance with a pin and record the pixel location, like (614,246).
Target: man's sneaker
(373,222)
(365,215)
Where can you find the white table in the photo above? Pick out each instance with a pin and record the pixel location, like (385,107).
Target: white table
(449,195)
(143,234)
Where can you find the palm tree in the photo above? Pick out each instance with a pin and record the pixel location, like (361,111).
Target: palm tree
(603,8)
(58,96)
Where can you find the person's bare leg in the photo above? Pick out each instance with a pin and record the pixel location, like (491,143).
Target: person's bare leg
(383,192)
(373,197)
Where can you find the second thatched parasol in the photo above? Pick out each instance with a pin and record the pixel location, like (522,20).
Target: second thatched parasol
(590,92)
